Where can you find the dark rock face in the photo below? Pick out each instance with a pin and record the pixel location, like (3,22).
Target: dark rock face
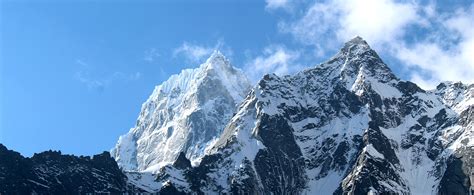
(373,171)
(455,180)
(197,176)
(170,190)
(54,173)
(248,185)
(459,174)
(182,162)
(14,171)
(282,157)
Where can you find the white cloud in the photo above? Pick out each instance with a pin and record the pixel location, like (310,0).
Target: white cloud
(275,4)
(315,26)
(275,59)
(443,42)
(441,58)
(194,53)
(378,21)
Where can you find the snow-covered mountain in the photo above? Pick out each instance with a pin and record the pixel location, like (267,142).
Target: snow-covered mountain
(186,113)
(346,126)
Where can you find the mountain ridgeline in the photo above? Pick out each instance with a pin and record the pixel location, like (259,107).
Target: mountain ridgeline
(346,126)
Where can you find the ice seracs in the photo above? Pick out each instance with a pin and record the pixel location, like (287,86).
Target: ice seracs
(183,114)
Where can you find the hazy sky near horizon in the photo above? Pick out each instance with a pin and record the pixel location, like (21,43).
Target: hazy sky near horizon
(73,74)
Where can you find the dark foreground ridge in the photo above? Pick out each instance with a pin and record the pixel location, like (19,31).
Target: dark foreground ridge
(51,172)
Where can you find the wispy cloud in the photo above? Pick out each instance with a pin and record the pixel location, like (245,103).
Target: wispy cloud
(91,83)
(326,24)
(195,53)
(274,59)
(275,4)
(443,41)
(151,55)
(192,52)
(85,76)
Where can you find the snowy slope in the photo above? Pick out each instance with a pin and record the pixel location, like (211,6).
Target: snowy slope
(183,114)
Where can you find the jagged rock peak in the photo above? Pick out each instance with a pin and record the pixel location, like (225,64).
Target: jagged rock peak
(452,85)
(183,114)
(219,62)
(217,56)
(356,53)
(355,64)
(456,95)
(356,46)
(217,66)
(231,77)
(357,40)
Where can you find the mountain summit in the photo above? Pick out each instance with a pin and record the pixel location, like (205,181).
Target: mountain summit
(183,114)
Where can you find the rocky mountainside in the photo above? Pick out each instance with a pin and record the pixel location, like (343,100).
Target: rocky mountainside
(346,126)
(184,114)
(54,173)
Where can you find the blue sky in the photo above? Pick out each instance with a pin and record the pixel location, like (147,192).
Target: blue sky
(75,73)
